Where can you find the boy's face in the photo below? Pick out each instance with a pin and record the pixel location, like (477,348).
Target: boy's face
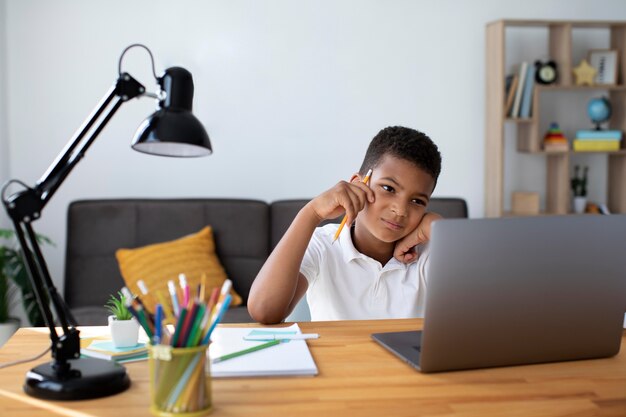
(402,192)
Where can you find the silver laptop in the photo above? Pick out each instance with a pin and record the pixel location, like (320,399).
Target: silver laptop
(519,291)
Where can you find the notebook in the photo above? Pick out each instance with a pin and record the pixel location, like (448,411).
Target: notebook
(105,349)
(516,291)
(285,359)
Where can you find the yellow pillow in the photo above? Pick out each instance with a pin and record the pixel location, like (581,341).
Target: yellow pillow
(192,255)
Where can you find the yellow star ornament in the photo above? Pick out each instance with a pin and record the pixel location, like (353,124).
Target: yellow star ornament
(584,73)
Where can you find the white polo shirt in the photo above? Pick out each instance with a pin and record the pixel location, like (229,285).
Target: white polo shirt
(344,284)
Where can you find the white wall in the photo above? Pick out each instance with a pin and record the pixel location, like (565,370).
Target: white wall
(290,92)
(4,143)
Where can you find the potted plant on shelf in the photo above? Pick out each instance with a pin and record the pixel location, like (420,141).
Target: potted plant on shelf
(14,282)
(579,189)
(122,325)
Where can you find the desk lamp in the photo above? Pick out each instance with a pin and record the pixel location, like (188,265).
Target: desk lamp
(171,131)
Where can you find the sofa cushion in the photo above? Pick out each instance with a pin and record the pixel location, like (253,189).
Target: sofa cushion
(156,264)
(449,207)
(237,315)
(282,213)
(91,315)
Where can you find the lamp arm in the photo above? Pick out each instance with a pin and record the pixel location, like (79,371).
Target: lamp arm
(25,206)
(67,159)
(125,88)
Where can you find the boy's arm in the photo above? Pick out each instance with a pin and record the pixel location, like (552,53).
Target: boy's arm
(405,247)
(279,285)
(279,282)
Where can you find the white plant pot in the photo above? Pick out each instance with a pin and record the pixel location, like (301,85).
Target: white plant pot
(7,329)
(124,333)
(580,203)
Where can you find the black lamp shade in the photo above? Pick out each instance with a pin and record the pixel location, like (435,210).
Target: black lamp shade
(173,130)
(172,133)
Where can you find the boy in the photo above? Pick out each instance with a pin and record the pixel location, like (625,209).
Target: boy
(373,270)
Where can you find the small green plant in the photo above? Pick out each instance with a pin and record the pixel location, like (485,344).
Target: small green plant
(117,307)
(578,183)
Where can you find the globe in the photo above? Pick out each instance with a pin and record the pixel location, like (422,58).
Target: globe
(599,110)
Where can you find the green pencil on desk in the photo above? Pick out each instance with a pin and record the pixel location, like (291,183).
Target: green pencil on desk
(246,351)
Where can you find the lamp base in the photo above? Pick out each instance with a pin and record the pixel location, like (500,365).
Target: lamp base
(87,378)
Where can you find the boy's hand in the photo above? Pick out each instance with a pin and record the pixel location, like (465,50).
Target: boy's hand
(349,197)
(405,248)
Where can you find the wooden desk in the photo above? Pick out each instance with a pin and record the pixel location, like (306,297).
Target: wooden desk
(356,377)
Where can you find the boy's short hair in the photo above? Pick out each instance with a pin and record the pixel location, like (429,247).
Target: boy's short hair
(405,143)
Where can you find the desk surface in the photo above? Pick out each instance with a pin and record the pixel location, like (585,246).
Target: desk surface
(356,377)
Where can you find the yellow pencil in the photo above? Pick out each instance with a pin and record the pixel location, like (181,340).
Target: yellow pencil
(202,287)
(343,222)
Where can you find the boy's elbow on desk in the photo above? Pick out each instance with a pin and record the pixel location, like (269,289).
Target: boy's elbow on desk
(260,313)
(266,318)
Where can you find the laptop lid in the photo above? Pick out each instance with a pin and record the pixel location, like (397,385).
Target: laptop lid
(515,291)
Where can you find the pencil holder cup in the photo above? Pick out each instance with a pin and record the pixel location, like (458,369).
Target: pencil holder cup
(179,385)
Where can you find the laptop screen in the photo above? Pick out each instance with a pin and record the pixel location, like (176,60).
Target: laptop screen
(527,290)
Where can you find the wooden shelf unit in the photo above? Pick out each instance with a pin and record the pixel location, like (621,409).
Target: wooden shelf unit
(529,138)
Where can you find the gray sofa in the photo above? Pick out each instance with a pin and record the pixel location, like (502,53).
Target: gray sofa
(245,232)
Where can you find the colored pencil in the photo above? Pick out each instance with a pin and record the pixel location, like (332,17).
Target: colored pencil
(191,340)
(345,218)
(215,293)
(172,289)
(246,351)
(179,327)
(182,279)
(189,320)
(166,308)
(218,317)
(158,324)
(226,286)
(202,289)
(141,318)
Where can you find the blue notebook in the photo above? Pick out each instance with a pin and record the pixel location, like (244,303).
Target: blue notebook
(104,349)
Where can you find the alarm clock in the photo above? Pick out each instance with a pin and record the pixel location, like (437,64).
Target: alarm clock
(545,72)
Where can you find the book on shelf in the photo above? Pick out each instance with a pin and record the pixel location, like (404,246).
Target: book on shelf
(527,94)
(597,145)
(599,134)
(510,94)
(508,80)
(101,348)
(523,69)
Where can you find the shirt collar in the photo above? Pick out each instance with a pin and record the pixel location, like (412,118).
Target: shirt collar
(394,264)
(349,252)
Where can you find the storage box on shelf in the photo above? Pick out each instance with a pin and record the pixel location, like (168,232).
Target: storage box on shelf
(529,136)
